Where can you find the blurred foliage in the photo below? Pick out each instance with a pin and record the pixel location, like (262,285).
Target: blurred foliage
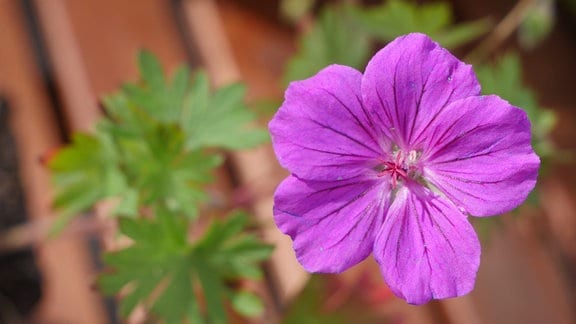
(266,108)
(307,308)
(334,38)
(398,17)
(83,173)
(150,149)
(316,304)
(537,24)
(154,152)
(294,10)
(344,34)
(207,119)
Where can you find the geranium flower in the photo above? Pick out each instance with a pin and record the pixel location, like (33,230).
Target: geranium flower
(392,162)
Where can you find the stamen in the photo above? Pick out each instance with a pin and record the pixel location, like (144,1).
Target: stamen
(394,169)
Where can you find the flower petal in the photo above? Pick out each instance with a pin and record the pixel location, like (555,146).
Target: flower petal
(333,224)
(426,248)
(409,82)
(481,156)
(321,131)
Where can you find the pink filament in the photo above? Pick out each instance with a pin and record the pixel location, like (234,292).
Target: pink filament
(394,169)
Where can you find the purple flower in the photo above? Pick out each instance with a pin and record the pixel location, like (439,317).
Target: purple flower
(392,162)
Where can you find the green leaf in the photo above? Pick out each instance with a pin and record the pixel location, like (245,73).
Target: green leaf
(178,296)
(85,172)
(156,262)
(158,165)
(219,119)
(151,70)
(154,94)
(213,289)
(162,267)
(208,119)
(334,39)
(128,205)
(398,17)
(247,304)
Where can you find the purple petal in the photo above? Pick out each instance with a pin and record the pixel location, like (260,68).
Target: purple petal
(480,155)
(321,131)
(409,82)
(427,249)
(333,224)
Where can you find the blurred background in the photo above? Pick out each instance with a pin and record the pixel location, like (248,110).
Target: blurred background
(57,57)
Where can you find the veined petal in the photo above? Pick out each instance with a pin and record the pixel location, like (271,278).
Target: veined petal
(426,248)
(409,82)
(480,155)
(321,131)
(332,224)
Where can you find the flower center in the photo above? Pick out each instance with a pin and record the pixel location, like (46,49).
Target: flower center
(402,168)
(394,170)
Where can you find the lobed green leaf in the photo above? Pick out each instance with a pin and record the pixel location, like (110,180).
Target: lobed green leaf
(220,119)
(84,173)
(160,270)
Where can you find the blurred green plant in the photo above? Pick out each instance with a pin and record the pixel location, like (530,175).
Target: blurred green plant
(537,24)
(150,149)
(331,299)
(308,308)
(154,152)
(345,34)
(398,17)
(334,38)
(294,10)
